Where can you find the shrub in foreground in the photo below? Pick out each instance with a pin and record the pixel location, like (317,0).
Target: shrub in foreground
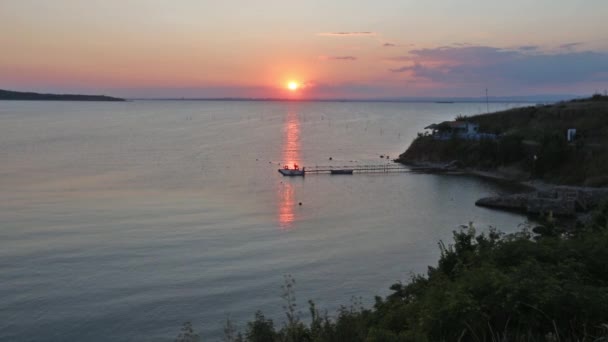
(485,287)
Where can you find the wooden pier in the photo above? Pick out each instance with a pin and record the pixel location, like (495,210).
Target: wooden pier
(372,168)
(349,169)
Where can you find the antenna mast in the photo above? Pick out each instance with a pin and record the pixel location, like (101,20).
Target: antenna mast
(487,102)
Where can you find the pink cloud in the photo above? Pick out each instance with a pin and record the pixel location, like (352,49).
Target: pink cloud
(347,34)
(338,58)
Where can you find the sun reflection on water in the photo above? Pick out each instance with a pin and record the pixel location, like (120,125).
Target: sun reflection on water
(290,156)
(286,206)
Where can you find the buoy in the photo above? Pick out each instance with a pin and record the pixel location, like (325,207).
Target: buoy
(330,158)
(382,156)
(300,203)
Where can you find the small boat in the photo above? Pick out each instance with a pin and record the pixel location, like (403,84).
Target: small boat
(342,172)
(286,171)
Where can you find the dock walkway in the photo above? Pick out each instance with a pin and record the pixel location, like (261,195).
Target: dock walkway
(374,168)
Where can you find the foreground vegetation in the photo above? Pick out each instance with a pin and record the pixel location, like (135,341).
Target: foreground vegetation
(532,143)
(547,284)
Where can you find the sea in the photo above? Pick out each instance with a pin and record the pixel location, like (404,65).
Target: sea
(121,221)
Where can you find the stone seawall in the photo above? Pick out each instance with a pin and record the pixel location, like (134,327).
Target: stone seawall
(560,201)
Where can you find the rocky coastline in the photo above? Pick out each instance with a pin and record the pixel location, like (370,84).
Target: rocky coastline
(535,198)
(561,201)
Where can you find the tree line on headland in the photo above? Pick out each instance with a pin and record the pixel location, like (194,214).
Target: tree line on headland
(29,96)
(532,143)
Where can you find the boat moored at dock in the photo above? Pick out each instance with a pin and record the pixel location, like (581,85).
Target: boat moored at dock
(296,171)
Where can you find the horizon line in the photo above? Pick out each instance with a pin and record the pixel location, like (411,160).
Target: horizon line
(463,99)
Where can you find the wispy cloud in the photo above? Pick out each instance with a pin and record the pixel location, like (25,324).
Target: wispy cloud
(570,46)
(347,34)
(528,47)
(402,69)
(338,58)
(388,45)
(398,59)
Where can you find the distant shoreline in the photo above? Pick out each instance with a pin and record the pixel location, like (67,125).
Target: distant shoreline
(347,100)
(8,95)
(536,99)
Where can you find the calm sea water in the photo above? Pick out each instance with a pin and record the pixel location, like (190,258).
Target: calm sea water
(120,221)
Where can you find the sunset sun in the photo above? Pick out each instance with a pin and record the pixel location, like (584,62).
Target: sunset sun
(293,86)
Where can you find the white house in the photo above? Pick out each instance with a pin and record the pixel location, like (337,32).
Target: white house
(462,129)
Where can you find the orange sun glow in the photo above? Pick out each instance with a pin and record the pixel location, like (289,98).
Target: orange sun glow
(293,86)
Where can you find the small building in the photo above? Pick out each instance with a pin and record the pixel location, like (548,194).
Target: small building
(454,127)
(571,134)
(461,129)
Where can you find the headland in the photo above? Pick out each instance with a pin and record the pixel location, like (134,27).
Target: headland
(559,152)
(29,96)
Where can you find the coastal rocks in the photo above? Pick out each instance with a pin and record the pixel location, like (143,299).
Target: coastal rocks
(561,201)
(532,203)
(517,202)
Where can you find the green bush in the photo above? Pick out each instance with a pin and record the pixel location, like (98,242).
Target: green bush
(552,286)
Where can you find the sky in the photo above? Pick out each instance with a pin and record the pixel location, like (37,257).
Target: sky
(329,48)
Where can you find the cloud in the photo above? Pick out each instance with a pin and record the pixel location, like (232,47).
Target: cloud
(570,46)
(490,65)
(337,58)
(528,47)
(388,45)
(347,34)
(398,59)
(402,69)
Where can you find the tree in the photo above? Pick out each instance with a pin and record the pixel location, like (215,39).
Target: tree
(187,334)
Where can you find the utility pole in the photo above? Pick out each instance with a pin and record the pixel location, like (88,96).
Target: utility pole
(487,102)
